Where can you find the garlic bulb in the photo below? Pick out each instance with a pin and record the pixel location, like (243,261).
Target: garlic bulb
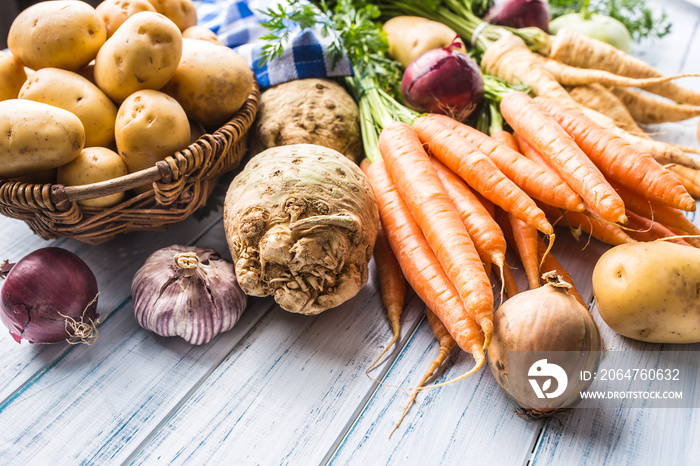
(189,292)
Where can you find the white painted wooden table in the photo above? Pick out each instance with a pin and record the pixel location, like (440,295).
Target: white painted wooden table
(288,389)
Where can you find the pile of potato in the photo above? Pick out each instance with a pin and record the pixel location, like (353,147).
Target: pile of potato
(90,94)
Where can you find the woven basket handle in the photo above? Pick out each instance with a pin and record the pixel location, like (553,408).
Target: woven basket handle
(64,195)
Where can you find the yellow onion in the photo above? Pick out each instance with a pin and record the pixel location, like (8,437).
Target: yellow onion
(544,326)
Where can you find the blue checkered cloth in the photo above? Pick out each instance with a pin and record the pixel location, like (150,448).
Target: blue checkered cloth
(238,25)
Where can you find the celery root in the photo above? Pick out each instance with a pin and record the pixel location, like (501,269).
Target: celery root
(301,222)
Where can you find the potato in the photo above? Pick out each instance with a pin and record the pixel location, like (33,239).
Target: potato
(650,291)
(61,34)
(411,36)
(211,82)
(70,91)
(308,111)
(12,76)
(115,12)
(142,54)
(93,164)
(180,12)
(150,126)
(35,136)
(201,33)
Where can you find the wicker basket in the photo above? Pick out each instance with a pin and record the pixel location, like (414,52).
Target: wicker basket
(182,183)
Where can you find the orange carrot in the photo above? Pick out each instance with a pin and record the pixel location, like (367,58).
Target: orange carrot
(447,344)
(509,282)
(549,262)
(531,153)
(644,229)
(526,239)
(604,231)
(392,285)
(429,204)
(618,159)
(484,231)
(479,172)
(505,138)
(543,133)
(419,264)
(534,180)
(668,216)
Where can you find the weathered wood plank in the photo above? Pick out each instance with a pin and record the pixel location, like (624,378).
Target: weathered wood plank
(287,392)
(121,388)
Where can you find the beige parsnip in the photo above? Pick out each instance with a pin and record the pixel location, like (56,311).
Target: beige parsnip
(35,136)
(142,54)
(60,33)
(92,165)
(70,91)
(648,291)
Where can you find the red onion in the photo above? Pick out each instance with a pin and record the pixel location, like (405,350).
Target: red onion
(519,13)
(49,296)
(443,81)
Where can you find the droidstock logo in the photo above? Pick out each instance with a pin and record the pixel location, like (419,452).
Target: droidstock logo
(546,372)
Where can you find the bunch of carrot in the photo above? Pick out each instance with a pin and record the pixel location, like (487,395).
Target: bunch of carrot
(451,200)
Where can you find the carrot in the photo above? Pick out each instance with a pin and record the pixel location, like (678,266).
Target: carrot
(600,99)
(479,172)
(425,196)
(618,159)
(392,285)
(668,216)
(603,231)
(646,109)
(573,76)
(534,180)
(509,282)
(644,229)
(531,153)
(549,263)
(526,240)
(663,152)
(419,264)
(447,344)
(543,133)
(689,177)
(505,138)
(510,59)
(580,51)
(484,231)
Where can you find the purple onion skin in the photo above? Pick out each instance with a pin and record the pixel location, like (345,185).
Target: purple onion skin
(443,81)
(40,287)
(520,14)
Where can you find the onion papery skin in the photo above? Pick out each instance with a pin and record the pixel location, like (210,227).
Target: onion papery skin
(444,81)
(545,319)
(197,304)
(43,290)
